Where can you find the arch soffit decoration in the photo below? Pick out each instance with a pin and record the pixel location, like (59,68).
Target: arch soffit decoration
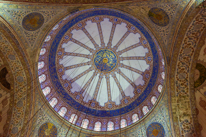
(22,61)
(186,98)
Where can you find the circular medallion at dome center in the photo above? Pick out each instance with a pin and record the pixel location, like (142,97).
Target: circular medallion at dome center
(105,60)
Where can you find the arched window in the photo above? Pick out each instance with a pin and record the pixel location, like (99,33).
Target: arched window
(40,65)
(163,75)
(42,51)
(85,123)
(160,88)
(135,118)
(97,126)
(73,118)
(163,63)
(153,100)
(56,27)
(110,126)
(47,38)
(145,110)
(46,91)
(62,111)
(42,78)
(53,102)
(123,123)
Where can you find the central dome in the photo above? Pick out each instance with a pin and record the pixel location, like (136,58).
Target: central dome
(105,60)
(101,66)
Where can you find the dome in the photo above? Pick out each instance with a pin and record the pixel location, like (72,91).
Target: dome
(101,69)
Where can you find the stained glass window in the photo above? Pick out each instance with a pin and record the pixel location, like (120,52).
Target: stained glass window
(42,51)
(135,118)
(160,88)
(163,75)
(73,118)
(97,126)
(53,102)
(145,110)
(163,62)
(85,123)
(55,27)
(47,38)
(153,100)
(46,91)
(40,65)
(110,126)
(123,123)
(42,78)
(62,111)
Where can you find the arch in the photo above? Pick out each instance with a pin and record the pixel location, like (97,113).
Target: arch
(62,111)
(185,79)
(40,65)
(123,123)
(110,126)
(97,126)
(85,123)
(135,118)
(42,78)
(46,91)
(53,102)
(145,110)
(73,118)
(12,47)
(153,100)
(3,80)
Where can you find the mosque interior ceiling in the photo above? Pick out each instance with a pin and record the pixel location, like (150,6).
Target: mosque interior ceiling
(105,68)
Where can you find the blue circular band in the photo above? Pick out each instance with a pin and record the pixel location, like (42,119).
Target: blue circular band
(76,105)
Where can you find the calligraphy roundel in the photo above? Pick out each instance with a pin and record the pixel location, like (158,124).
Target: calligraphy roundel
(159,17)
(33,21)
(47,129)
(101,63)
(155,130)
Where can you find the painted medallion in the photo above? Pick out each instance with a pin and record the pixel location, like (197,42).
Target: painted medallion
(158,16)
(33,21)
(155,130)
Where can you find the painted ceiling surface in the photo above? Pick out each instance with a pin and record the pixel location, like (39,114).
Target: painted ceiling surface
(101,63)
(91,72)
(72,1)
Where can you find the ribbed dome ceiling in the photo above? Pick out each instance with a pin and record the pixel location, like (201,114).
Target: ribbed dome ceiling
(101,67)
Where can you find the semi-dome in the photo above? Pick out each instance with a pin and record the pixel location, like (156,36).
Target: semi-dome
(101,69)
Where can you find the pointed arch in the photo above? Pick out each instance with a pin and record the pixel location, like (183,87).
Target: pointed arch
(85,123)
(62,111)
(73,118)
(97,126)
(123,123)
(110,126)
(46,91)
(135,118)
(53,102)
(145,110)
(42,78)
(153,100)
